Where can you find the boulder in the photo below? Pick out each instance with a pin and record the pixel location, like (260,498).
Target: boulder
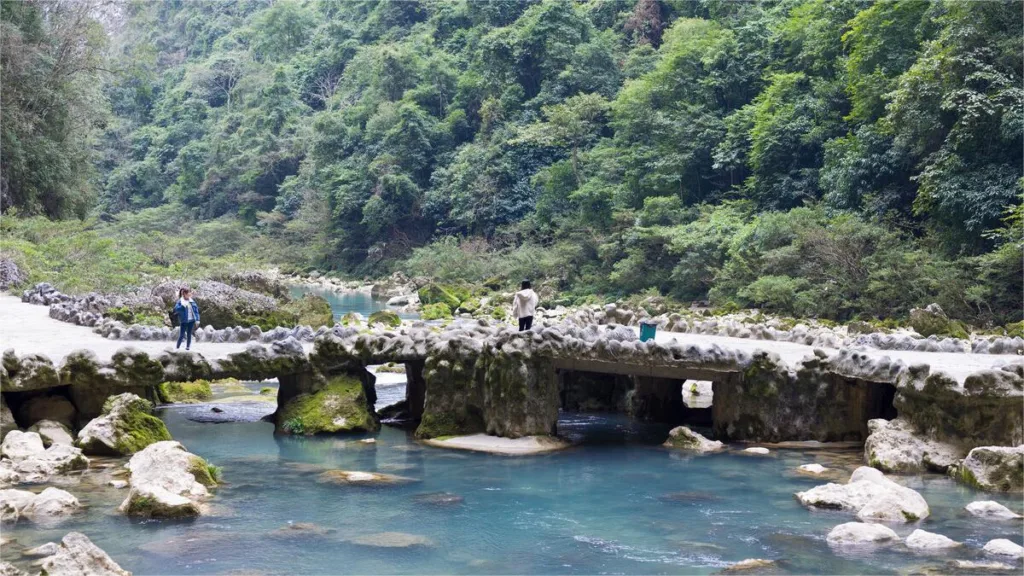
(130,370)
(351,319)
(861,534)
(812,469)
(51,503)
(48,549)
(922,541)
(1004,547)
(77,555)
(309,310)
(929,320)
(29,372)
(166,481)
(52,407)
(993,468)
(990,509)
(340,406)
(871,496)
(125,427)
(53,433)
(385,317)
(224,306)
(433,293)
(894,446)
(12,502)
(682,438)
(8,569)
(31,462)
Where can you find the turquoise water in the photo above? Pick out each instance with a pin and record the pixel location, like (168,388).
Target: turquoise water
(616,503)
(345,302)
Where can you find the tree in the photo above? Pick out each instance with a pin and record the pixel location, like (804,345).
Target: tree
(571,125)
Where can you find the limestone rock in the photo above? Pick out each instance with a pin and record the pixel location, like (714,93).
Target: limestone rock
(926,541)
(48,549)
(8,569)
(78,555)
(893,446)
(125,427)
(756,450)
(993,468)
(12,502)
(34,463)
(971,567)
(167,482)
(871,496)
(929,320)
(812,469)
(51,503)
(29,372)
(861,534)
(53,433)
(990,509)
(361,478)
(55,408)
(340,406)
(385,317)
(1004,547)
(683,438)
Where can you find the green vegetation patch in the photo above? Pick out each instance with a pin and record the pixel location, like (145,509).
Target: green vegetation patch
(184,392)
(436,311)
(341,406)
(310,310)
(385,317)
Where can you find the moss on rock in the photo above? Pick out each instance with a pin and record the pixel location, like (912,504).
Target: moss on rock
(125,427)
(385,317)
(436,311)
(442,294)
(310,310)
(341,406)
(185,392)
(205,473)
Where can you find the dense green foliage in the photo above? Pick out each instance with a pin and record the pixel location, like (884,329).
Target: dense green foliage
(812,157)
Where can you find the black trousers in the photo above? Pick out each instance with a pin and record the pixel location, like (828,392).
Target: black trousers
(525,323)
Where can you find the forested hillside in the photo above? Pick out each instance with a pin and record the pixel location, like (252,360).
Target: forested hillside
(823,158)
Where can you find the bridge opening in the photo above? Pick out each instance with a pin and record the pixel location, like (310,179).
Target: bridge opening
(670,401)
(32,406)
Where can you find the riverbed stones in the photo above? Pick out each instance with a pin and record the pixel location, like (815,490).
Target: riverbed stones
(53,433)
(340,406)
(869,495)
(861,534)
(125,427)
(77,555)
(992,468)
(49,505)
(922,541)
(990,509)
(167,481)
(682,438)
(392,540)
(1004,547)
(894,446)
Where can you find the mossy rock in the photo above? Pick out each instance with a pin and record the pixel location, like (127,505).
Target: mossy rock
(494,283)
(351,319)
(435,311)
(930,320)
(268,391)
(184,392)
(205,473)
(442,294)
(446,424)
(470,305)
(341,406)
(310,310)
(385,317)
(125,427)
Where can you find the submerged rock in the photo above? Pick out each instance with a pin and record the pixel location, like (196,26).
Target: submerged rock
(861,534)
(341,406)
(894,446)
(925,541)
(871,496)
(302,529)
(125,427)
(439,499)
(1004,547)
(812,469)
(167,482)
(683,438)
(361,478)
(392,540)
(993,468)
(77,555)
(48,549)
(990,509)
(756,450)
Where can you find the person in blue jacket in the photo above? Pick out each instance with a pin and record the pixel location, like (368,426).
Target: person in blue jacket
(188,316)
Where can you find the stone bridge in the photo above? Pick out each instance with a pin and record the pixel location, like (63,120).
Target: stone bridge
(473,377)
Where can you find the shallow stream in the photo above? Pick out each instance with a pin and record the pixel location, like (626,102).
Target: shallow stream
(345,302)
(617,502)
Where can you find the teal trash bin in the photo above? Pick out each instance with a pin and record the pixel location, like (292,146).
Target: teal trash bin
(647,331)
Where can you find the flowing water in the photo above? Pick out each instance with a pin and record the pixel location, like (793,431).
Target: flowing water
(617,502)
(345,302)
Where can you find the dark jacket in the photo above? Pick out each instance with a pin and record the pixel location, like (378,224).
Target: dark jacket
(183,314)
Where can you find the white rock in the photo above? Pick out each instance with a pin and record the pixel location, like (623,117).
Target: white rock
(48,549)
(1004,547)
(118,484)
(980,566)
(18,445)
(162,482)
(990,509)
(996,468)
(756,450)
(921,540)
(8,569)
(12,502)
(77,555)
(683,438)
(813,468)
(51,503)
(52,432)
(871,496)
(104,434)
(860,534)
(33,463)
(894,446)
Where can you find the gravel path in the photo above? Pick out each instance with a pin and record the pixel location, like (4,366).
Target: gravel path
(28,328)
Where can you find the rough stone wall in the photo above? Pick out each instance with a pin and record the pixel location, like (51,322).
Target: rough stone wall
(520,389)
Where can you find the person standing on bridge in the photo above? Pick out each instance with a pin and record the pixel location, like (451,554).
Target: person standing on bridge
(524,304)
(188,316)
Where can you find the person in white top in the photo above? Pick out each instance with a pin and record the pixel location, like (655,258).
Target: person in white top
(524,304)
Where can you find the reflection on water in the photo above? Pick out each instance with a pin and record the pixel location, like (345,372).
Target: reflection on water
(616,502)
(345,302)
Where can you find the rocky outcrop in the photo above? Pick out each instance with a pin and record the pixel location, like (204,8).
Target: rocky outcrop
(29,372)
(869,495)
(341,405)
(25,459)
(990,509)
(893,446)
(993,468)
(922,541)
(53,433)
(861,534)
(77,555)
(167,481)
(130,370)
(682,438)
(125,427)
